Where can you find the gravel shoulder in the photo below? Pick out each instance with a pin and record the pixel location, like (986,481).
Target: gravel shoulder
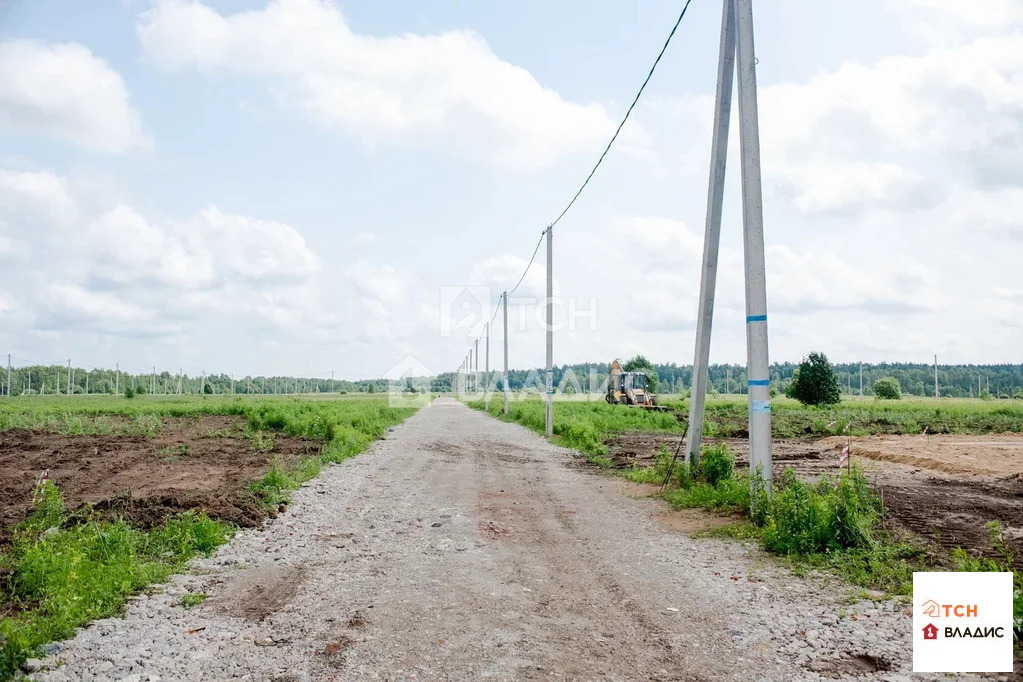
(461,547)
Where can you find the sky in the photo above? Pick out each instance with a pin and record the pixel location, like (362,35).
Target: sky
(306,186)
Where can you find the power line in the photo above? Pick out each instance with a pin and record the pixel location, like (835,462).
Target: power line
(627,113)
(530,264)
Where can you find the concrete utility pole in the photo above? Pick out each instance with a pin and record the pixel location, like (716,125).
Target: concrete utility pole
(476,366)
(506,352)
(179,381)
(117,379)
(87,383)
(153,382)
(737,45)
(753,248)
(936,375)
(712,231)
(202,383)
(8,375)
(69,377)
(549,416)
(232,384)
(861,379)
(486,356)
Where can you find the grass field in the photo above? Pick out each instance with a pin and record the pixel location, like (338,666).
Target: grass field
(64,567)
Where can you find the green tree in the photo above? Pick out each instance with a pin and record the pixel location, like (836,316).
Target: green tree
(815,382)
(887,388)
(641,364)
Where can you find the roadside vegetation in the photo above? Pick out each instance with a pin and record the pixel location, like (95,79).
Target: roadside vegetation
(64,568)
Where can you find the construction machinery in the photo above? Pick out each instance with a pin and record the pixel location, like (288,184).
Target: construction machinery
(629,388)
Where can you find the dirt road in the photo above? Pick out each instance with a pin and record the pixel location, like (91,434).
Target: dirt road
(461,548)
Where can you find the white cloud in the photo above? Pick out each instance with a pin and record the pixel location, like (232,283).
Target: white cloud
(65,92)
(401,89)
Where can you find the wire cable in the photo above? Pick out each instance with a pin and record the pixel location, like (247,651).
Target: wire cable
(530,264)
(627,113)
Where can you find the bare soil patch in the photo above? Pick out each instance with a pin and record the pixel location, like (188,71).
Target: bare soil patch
(942,488)
(199,463)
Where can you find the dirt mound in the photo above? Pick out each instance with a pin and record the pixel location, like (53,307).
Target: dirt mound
(193,463)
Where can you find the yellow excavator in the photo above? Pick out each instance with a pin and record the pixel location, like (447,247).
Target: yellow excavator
(629,388)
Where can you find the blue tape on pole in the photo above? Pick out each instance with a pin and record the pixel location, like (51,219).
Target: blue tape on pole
(756,318)
(759,382)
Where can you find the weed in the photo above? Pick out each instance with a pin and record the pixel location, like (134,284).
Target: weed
(192,599)
(262,441)
(716,463)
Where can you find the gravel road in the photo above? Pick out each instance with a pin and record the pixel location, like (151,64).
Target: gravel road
(461,547)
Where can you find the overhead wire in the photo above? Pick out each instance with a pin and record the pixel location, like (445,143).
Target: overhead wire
(627,114)
(600,160)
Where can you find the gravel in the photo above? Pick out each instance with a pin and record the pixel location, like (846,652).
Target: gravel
(462,547)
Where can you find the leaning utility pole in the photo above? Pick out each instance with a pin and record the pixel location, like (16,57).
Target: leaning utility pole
(737,46)
(549,415)
(505,296)
(712,231)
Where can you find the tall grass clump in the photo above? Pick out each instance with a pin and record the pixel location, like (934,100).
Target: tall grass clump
(1002,562)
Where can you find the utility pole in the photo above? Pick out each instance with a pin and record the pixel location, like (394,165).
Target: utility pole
(179,381)
(712,231)
(86,383)
(506,352)
(486,362)
(117,379)
(861,379)
(331,381)
(753,248)
(232,384)
(936,375)
(202,383)
(69,377)
(549,415)
(8,375)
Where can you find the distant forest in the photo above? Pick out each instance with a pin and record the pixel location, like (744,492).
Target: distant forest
(963,381)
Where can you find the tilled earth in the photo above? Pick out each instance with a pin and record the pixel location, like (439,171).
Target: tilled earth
(192,463)
(946,501)
(461,548)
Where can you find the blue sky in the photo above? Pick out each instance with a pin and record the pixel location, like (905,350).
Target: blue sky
(298,186)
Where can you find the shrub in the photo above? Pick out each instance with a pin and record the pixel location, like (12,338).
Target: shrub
(806,518)
(716,463)
(815,382)
(129,392)
(887,388)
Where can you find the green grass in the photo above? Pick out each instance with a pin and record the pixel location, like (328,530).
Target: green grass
(583,425)
(64,570)
(727,416)
(192,599)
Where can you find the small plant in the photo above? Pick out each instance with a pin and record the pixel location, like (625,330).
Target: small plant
(815,382)
(263,441)
(192,599)
(175,452)
(129,392)
(716,463)
(887,388)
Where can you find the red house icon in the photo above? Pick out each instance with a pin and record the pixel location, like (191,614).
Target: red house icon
(930,632)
